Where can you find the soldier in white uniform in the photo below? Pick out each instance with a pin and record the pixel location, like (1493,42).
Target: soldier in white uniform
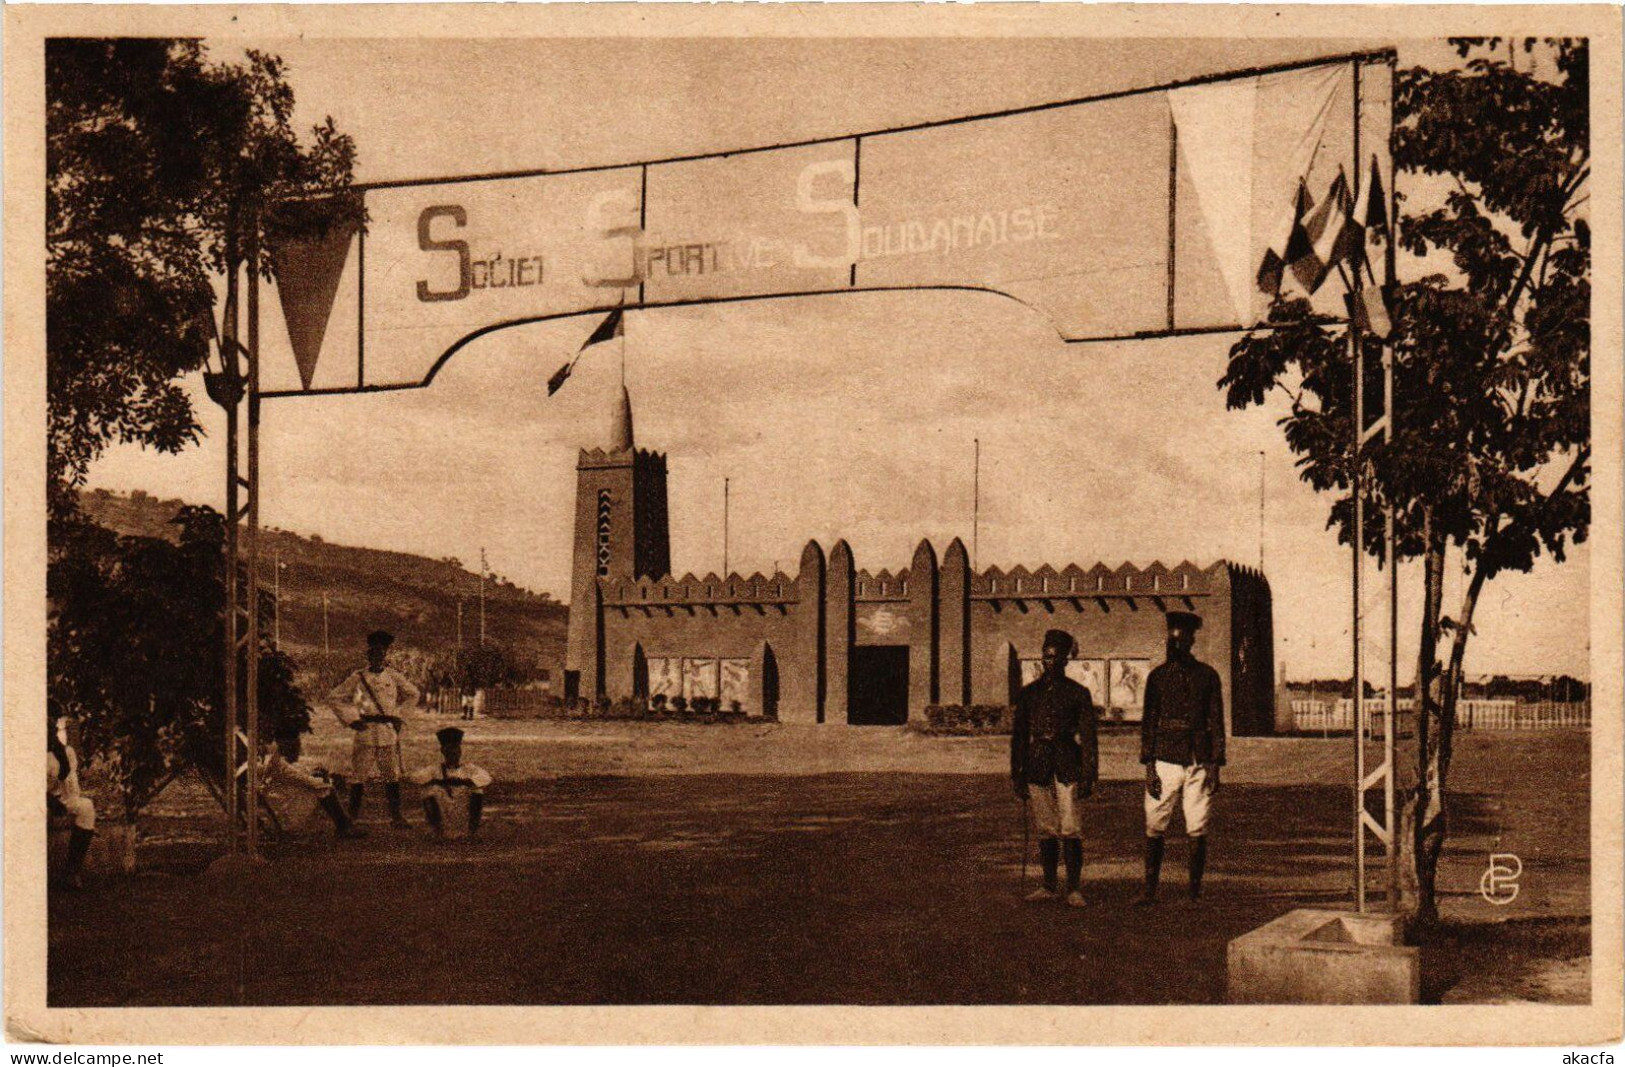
(368,701)
(451,783)
(62,797)
(293,786)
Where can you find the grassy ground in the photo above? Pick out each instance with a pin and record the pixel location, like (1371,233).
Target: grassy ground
(770,865)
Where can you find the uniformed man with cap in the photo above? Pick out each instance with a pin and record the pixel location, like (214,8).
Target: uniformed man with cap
(293,785)
(368,701)
(1054,762)
(1182,747)
(451,783)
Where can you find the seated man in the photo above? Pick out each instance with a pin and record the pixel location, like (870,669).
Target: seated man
(293,788)
(63,798)
(451,781)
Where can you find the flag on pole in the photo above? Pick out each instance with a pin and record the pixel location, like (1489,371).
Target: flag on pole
(1370,311)
(1324,233)
(1370,214)
(1289,242)
(612,327)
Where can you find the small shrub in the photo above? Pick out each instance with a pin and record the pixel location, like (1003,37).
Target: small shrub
(967,719)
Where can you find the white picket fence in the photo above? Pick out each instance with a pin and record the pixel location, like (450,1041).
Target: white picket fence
(1511,715)
(1327,716)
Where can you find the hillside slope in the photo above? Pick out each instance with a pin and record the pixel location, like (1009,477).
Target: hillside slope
(414,597)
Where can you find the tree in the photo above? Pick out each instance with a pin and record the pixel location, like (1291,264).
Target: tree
(133,652)
(158,163)
(1490,458)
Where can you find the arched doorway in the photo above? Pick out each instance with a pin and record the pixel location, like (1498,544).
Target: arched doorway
(640,673)
(770,684)
(1014,666)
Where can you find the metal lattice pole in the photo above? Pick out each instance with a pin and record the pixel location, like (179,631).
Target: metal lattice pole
(229,400)
(250,544)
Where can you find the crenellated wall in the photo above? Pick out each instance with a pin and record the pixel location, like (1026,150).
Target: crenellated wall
(967,634)
(837,640)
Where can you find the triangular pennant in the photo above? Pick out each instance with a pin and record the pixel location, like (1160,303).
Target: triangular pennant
(607,330)
(307,279)
(559,377)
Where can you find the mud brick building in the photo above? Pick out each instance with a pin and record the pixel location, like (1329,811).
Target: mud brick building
(835,643)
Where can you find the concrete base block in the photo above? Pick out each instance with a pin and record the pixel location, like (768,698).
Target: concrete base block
(1314,956)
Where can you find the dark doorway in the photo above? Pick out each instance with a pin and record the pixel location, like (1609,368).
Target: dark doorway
(770,684)
(640,673)
(877,688)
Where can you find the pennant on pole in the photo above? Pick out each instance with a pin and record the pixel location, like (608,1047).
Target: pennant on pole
(612,327)
(307,278)
(608,330)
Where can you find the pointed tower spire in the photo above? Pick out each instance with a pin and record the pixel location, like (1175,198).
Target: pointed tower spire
(620,438)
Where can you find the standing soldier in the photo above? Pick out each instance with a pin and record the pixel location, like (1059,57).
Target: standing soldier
(1182,747)
(367,701)
(1054,761)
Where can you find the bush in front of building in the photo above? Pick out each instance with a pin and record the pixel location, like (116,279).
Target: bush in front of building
(657,708)
(967,719)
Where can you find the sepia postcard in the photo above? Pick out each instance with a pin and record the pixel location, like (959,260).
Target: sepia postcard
(813,524)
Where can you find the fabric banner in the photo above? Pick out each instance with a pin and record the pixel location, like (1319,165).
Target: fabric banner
(699,678)
(735,682)
(665,677)
(1137,214)
(308,272)
(1128,683)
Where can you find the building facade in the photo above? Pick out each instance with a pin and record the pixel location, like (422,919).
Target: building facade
(835,643)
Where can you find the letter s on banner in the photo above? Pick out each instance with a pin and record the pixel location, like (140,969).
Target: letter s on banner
(808,203)
(597,208)
(429,244)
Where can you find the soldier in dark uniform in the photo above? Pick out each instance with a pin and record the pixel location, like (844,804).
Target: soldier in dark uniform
(1182,747)
(1054,761)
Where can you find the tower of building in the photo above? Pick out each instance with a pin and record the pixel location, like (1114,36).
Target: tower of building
(620,532)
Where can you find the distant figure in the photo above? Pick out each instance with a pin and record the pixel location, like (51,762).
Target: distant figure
(291,786)
(1054,762)
(451,783)
(1182,747)
(63,798)
(367,702)
(468,704)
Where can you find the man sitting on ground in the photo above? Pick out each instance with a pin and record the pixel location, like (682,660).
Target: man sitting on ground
(452,783)
(292,786)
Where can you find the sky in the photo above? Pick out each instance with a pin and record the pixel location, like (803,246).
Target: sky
(849,416)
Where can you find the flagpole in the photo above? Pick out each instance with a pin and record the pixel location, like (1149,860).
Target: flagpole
(1261,511)
(1388,354)
(725,529)
(976,501)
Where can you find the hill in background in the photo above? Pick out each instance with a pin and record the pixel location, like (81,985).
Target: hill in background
(414,597)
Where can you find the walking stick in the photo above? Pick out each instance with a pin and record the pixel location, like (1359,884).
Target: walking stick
(1026,842)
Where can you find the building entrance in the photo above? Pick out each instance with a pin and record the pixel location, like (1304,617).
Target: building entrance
(877,693)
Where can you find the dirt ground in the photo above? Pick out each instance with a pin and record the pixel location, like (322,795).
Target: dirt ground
(762,864)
